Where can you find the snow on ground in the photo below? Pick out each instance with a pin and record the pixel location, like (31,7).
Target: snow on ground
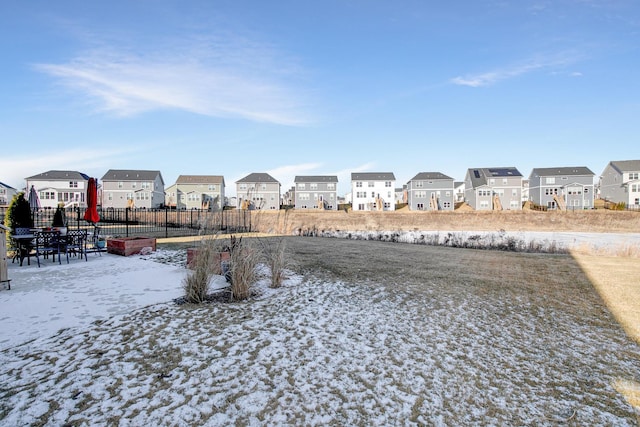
(102,343)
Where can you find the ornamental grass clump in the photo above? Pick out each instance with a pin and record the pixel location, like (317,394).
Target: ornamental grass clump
(196,284)
(273,252)
(244,258)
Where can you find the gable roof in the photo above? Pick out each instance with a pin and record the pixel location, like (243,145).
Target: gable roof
(430,175)
(200,179)
(626,165)
(481,176)
(566,170)
(59,175)
(131,175)
(2,184)
(373,176)
(258,177)
(316,178)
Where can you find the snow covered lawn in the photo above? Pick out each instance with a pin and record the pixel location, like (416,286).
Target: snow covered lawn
(319,351)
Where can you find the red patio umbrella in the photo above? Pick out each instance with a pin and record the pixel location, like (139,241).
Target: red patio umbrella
(91,214)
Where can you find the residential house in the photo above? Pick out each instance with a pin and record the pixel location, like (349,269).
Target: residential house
(401,194)
(316,192)
(56,187)
(620,182)
(562,187)
(258,191)
(196,192)
(6,194)
(126,188)
(373,191)
(493,188)
(431,191)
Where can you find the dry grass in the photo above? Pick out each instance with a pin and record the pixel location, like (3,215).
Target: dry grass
(273,252)
(244,260)
(296,222)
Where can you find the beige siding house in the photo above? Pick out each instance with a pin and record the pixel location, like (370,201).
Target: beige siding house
(258,191)
(122,188)
(196,192)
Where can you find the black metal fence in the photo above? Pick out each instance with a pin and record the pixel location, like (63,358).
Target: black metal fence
(152,222)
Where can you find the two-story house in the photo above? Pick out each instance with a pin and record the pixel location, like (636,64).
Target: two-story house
(373,191)
(562,187)
(124,188)
(431,191)
(620,182)
(196,192)
(316,192)
(6,194)
(493,188)
(258,191)
(57,187)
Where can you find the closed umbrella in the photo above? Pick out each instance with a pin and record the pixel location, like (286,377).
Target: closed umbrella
(34,200)
(91,213)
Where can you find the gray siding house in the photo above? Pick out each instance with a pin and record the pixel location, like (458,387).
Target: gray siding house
(373,191)
(6,194)
(562,187)
(431,191)
(316,192)
(258,191)
(123,188)
(196,192)
(59,187)
(493,188)
(620,182)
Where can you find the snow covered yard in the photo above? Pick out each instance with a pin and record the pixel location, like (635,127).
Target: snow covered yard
(375,349)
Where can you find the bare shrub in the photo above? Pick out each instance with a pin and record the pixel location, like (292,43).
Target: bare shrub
(273,252)
(242,267)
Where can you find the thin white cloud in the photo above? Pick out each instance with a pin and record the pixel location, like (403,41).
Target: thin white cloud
(237,80)
(94,162)
(495,76)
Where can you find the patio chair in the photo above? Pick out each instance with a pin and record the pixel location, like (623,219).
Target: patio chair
(75,243)
(92,242)
(48,243)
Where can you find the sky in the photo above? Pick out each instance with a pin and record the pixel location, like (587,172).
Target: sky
(233,87)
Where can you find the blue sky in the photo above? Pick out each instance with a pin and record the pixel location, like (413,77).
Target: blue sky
(231,87)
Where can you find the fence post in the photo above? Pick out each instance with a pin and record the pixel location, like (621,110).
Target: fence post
(126,221)
(166,222)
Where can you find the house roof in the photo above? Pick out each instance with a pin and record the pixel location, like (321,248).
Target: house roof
(316,178)
(626,165)
(565,170)
(481,176)
(200,179)
(131,175)
(258,177)
(56,175)
(2,184)
(429,175)
(372,176)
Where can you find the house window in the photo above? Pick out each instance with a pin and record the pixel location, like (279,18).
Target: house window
(633,176)
(263,186)
(420,206)
(484,203)
(301,186)
(120,184)
(446,205)
(212,187)
(371,184)
(492,181)
(134,184)
(242,186)
(373,194)
(505,181)
(419,184)
(447,193)
(420,194)
(514,204)
(387,184)
(313,186)
(146,185)
(514,192)
(358,184)
(129,196)
(550,180)
(361,206)
(73,184)
(303,196)
(331,186)
(109,196)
